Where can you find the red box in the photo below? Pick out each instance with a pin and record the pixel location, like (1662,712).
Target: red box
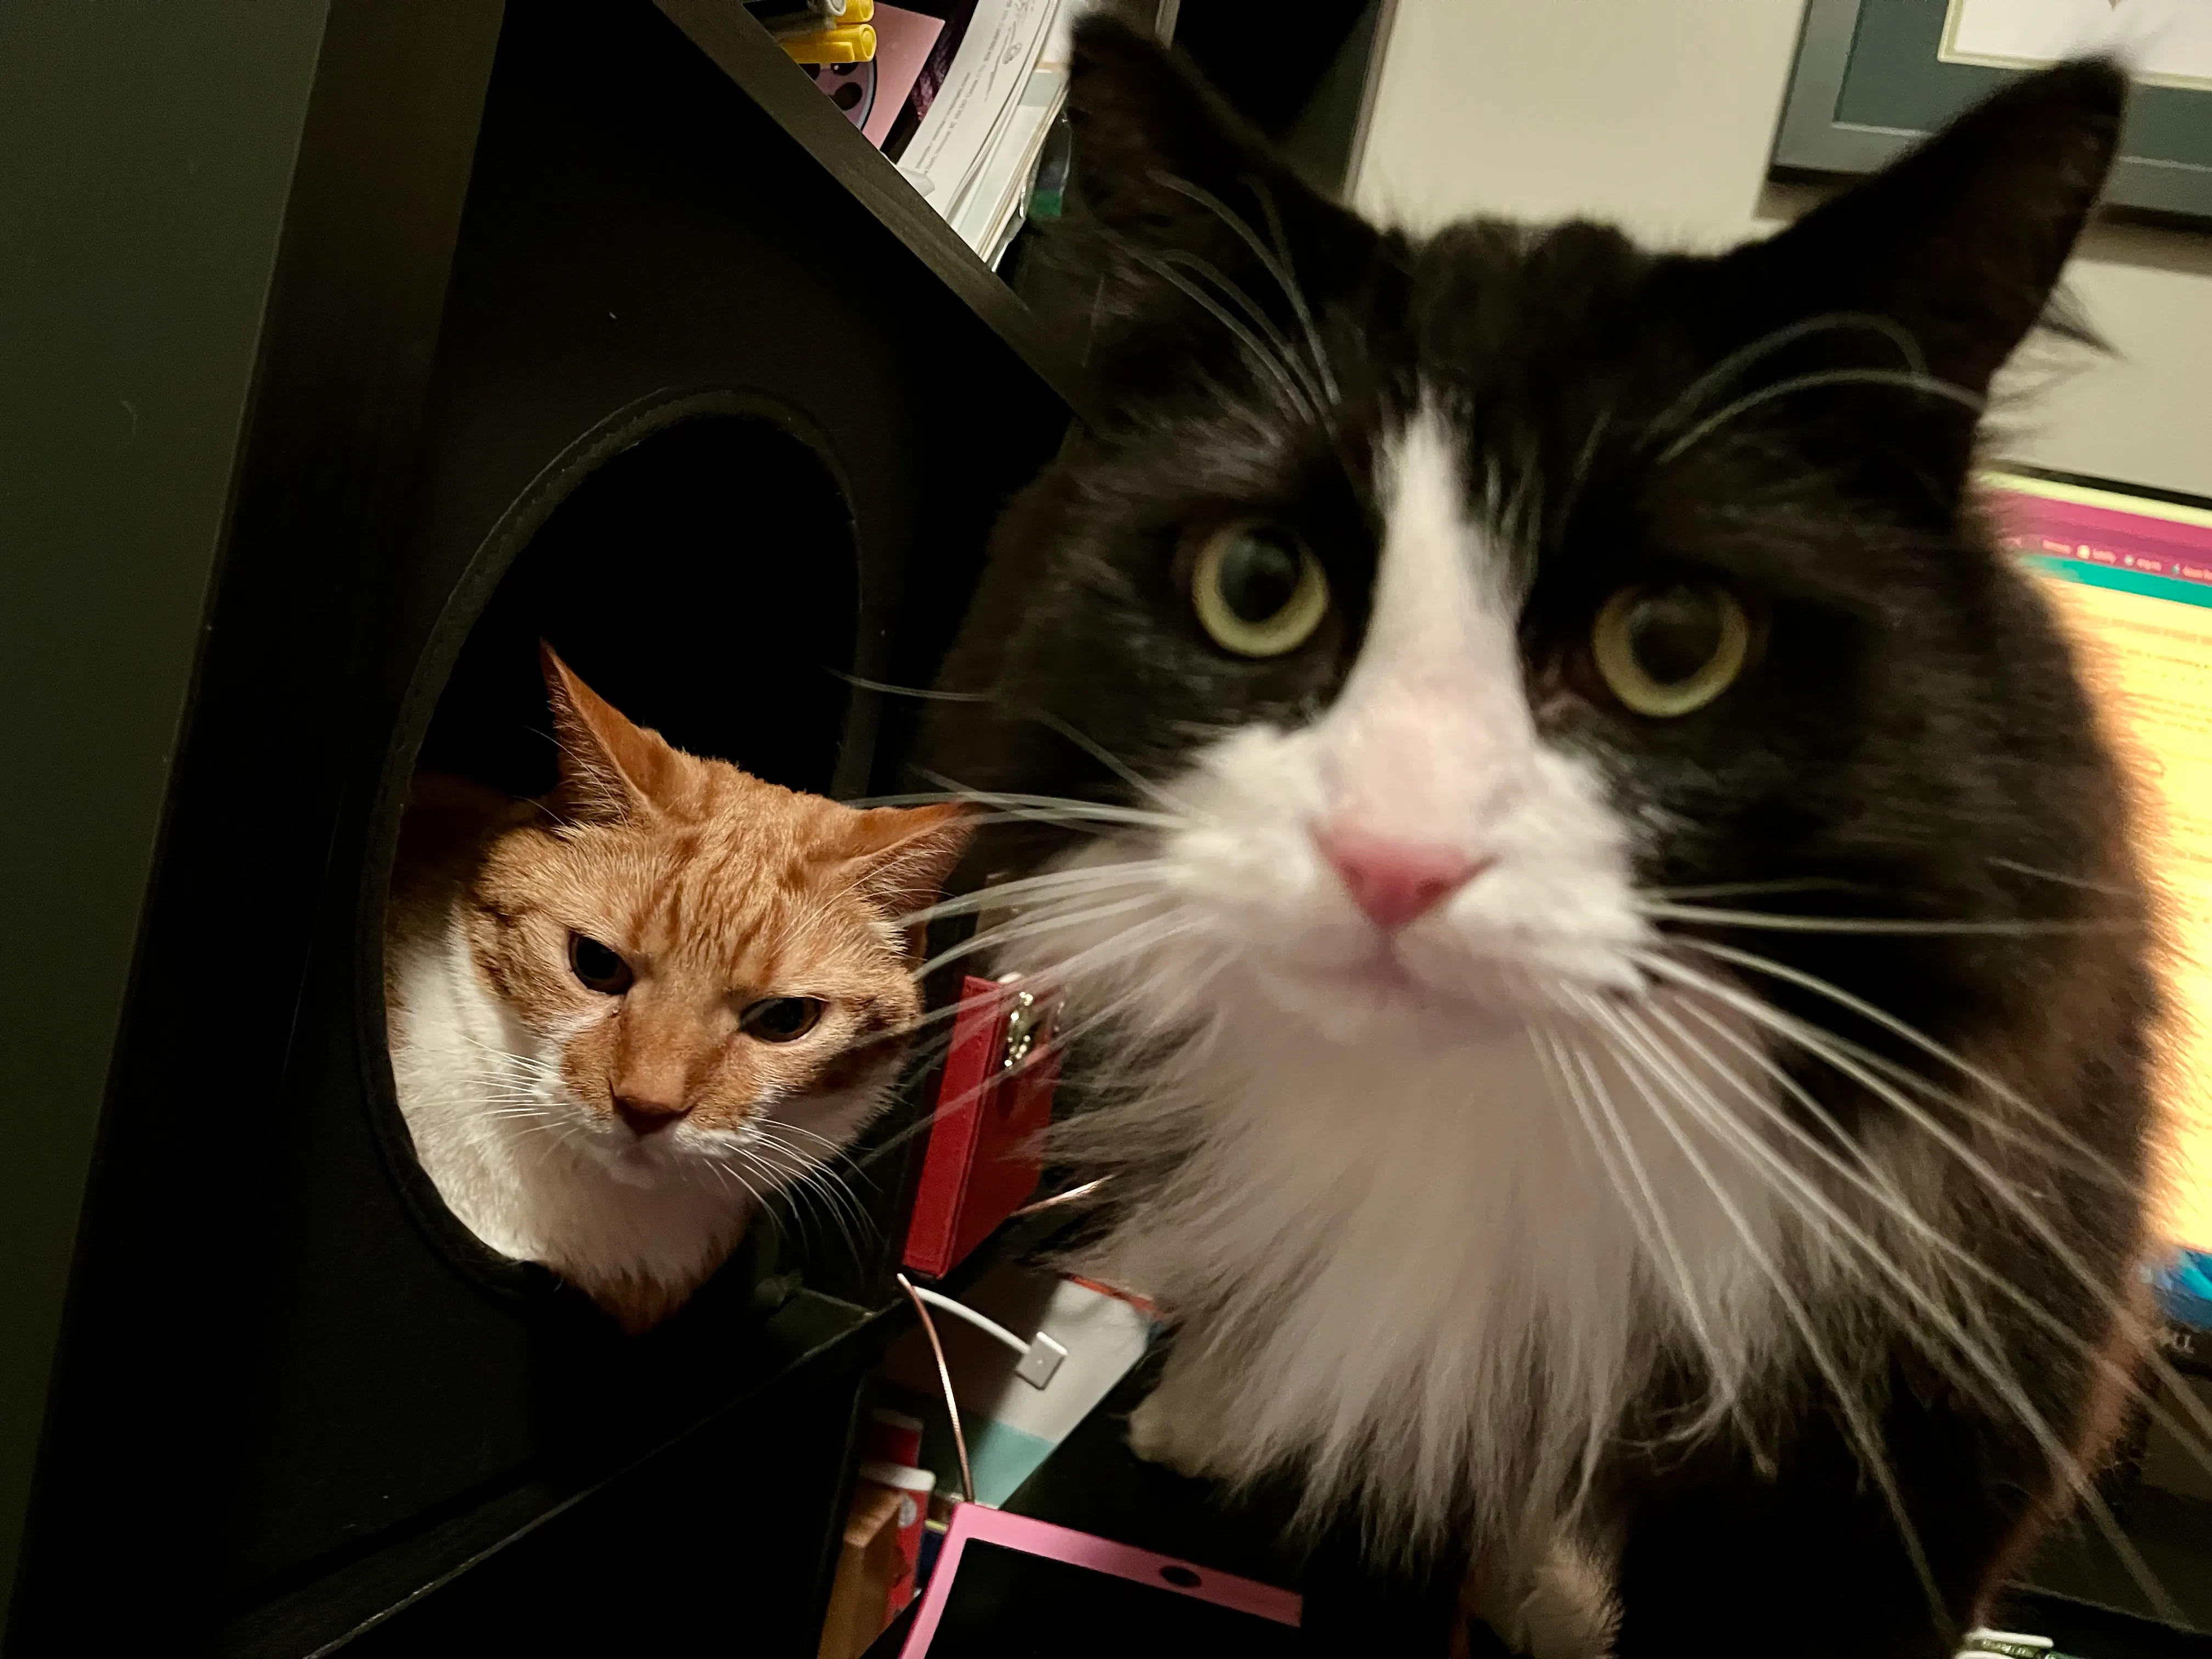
(994,1104)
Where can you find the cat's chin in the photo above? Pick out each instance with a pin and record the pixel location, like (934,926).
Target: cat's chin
(1380,995)
(631,1162)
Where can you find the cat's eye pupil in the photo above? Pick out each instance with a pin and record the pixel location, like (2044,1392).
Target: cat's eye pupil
(597,967)
(779,1019)
(1259,577)
(1675,633)
(1257,591)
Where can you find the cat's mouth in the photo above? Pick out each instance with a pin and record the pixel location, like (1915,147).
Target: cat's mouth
(1450,992)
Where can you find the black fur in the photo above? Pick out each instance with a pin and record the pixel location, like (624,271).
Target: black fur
(1912,730)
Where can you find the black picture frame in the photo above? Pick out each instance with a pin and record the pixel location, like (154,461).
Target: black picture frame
(1868,83)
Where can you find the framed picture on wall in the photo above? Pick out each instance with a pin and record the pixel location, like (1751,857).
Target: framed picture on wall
(1873,76)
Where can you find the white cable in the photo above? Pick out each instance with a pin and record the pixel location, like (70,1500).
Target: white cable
(1039,1357)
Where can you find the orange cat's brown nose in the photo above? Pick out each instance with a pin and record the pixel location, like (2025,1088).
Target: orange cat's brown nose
(646,1116)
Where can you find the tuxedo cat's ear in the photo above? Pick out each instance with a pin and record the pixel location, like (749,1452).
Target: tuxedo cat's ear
(1183,217)
(610,769)
(1960,243)
(904,854)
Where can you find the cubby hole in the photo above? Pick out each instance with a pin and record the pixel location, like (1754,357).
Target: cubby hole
(704,580)
(696,566)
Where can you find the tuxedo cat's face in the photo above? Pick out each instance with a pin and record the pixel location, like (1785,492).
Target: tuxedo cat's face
(1458,615)
(1421,848)
(696,963)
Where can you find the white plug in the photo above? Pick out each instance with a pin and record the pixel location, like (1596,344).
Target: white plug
(1041,1356)
(1042,1361)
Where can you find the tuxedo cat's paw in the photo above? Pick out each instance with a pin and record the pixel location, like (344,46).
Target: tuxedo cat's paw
(1570,1611)
(1159,1434)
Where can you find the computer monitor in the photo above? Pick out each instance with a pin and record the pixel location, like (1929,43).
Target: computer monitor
(2129,571)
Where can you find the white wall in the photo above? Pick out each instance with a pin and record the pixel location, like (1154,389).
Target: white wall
(1659,115)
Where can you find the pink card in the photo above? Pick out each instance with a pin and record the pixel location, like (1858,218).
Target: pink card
(903,42)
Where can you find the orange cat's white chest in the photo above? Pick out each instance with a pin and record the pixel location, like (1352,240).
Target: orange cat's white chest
(498,1132)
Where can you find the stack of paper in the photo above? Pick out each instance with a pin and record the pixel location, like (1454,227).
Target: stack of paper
(976,148)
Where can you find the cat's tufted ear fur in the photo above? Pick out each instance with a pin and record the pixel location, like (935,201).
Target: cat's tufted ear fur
(1939,265)
(1186,223)
(902,856)
(1961,242)
(611,770)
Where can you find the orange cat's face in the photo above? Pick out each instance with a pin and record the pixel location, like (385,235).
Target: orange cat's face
(706,964)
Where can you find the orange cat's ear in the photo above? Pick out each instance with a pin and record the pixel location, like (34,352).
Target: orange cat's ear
(906,853)
(610,769)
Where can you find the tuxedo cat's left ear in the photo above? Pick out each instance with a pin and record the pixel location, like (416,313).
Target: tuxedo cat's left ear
(904,854)
(1185,221)
(1960,244)
(610,769)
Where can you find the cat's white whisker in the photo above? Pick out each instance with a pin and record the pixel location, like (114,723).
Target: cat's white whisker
(1873,1182)
(1850,1406)
(1743,357)
(1902,927)
(1913,1308)
(1745,888)
(1904,380)
(1033,927)
(2083,883)
(1277,263)
(2005,1191)
(1646,1212)
(1980,1075)
(1029,888)
(1284,381)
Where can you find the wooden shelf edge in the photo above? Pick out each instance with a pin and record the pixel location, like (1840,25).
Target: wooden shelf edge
(737,45)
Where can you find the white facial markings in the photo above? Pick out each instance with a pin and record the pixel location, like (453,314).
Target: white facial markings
(1430,748)
(1432,740)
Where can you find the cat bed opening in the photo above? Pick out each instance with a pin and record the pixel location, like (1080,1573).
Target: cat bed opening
(695,563)
(703,579)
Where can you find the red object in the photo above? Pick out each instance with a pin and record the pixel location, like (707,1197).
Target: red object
(913,1487)
(891,1437)
(993,1103)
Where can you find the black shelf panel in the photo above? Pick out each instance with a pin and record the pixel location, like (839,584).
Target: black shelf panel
(809,1345)
(748,54)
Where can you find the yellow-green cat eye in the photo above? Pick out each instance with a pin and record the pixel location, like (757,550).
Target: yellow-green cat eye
(1666,649)
(1257,590)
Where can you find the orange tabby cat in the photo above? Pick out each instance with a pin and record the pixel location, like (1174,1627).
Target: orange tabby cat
(620,1016)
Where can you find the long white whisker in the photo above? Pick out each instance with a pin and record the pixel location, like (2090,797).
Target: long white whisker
(1848,1405)
(1645,1211)
(1995,1183)
(1906,379)
(1737,361)
(1808,1193)
(1028,927)
(1869,1179)
(1007,894)
(1899,926)
(1911,1033)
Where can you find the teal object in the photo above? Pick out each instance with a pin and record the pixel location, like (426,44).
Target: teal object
(2183,1288)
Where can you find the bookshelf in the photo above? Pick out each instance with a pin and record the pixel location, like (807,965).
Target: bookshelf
(366,304)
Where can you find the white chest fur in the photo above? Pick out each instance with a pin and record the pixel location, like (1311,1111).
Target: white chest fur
(1425,1277)
(493,1126)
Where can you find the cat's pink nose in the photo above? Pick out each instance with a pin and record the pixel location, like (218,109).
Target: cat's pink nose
(1395,882)
(645,1116)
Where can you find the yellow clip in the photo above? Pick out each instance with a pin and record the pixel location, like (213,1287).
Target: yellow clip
(857,11)
(850,43)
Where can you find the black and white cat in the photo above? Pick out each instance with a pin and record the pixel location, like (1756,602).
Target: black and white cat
(1602,938)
